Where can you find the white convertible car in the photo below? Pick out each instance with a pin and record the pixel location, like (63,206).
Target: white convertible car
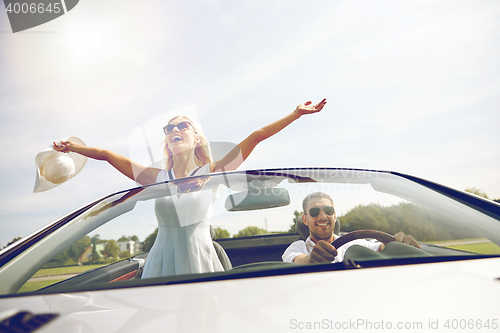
(451,284)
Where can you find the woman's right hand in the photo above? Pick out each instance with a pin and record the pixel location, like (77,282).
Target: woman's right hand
(308,108)
(64,147)
(124,165)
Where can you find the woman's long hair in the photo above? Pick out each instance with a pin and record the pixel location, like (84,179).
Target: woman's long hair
(202,153)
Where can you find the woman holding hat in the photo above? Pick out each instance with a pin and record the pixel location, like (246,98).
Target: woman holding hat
(183,244)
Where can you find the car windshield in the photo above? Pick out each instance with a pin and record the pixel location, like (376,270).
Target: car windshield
(253,221)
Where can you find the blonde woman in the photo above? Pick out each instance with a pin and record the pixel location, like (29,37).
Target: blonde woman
(183,244)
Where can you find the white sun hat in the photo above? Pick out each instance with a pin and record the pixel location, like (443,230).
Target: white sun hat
(54,168)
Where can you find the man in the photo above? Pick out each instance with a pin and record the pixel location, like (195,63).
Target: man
(319,216)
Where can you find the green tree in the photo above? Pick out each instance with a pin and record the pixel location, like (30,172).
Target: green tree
(480,193)
(111,250)
(250,231)
(96,239)
(124,254)
(58,260)
(76,250)
(134,238)
(13,241)
(70,255)
(421,223)
(221,233)
(296,215)
(123,239)
(94,258)
(149,241)
(476,191)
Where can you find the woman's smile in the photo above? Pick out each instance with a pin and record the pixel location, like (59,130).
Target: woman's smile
(176,138)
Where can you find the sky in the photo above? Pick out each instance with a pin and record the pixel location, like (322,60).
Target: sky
(412,86)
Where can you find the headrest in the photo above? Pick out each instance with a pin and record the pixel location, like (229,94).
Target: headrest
(303,229)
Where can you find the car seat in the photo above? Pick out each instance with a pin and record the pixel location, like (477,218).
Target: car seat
(221,253)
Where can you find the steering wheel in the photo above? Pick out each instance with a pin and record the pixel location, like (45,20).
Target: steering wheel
(378,235)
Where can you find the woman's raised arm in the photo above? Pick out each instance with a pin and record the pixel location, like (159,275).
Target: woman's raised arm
(125,165)
(240,153)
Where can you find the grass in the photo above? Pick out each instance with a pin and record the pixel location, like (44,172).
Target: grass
(56,271)
(32,286)
(452,241)
(65,270)
(481,248)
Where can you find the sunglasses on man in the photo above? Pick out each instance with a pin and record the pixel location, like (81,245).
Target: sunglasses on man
(182,126)
(316,210)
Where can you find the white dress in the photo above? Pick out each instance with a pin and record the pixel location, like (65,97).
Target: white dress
(183,244)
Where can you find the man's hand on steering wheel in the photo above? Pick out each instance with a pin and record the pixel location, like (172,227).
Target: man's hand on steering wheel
(322,252)
(402,238)
(407,239)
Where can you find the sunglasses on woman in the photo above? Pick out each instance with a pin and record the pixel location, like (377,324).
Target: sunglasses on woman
(182,126)
(316,210)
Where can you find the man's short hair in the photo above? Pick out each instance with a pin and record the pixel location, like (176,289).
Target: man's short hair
(318,195)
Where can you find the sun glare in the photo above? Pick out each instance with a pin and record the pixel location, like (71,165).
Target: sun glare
(83,40)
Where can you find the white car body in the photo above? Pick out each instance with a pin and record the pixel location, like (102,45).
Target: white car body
(456,292)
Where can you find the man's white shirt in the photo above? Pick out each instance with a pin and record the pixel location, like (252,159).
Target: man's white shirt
(306,247)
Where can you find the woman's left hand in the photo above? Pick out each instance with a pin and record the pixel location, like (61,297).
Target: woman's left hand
(307,108)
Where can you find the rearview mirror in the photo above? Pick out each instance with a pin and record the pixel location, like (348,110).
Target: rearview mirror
(257,199)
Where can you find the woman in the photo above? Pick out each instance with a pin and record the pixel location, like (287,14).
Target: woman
(183,244)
